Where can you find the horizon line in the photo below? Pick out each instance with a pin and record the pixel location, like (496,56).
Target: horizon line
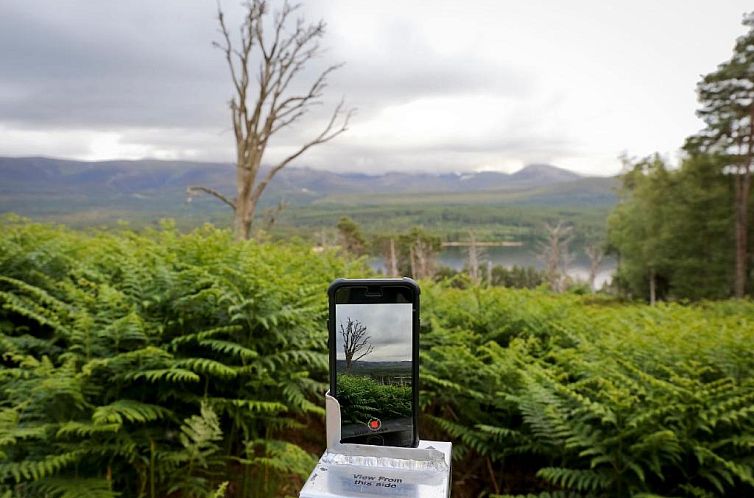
(311,168)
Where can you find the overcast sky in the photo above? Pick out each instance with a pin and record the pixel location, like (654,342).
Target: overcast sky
(439,85)
(388,327)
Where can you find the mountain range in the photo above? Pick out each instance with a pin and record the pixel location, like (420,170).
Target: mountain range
(38,174)
(82,192)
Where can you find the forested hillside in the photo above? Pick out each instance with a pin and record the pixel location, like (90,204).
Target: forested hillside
(106,193)
(166,364)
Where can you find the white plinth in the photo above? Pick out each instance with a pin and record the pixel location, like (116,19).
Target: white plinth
(363,471)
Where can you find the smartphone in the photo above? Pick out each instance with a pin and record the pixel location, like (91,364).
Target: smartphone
(374,359)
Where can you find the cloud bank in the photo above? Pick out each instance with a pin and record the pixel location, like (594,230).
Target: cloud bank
(439,85)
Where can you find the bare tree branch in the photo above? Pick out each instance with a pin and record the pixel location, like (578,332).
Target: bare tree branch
(369,350)
(330,132)
(194,190)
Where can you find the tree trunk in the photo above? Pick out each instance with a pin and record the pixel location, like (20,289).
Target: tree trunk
(742,188)
(652,288)
(595,255)
(473,260)
(246,204)
(739,277)
(421,262)
(393,263)
(412,260)
(592,279)
(242,217)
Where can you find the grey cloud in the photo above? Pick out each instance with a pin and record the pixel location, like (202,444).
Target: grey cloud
(388,328)
(98,64)
(342,155)
(436,159)
(394,77)
(402,66)
(146,70)
(151,63)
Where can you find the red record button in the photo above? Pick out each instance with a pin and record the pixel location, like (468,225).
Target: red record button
(374,424)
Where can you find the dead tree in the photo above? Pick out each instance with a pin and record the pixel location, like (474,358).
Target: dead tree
(554,253)
(391,258)
(354,342)
(262,67)
(422,259)
(412,261)
(474,255)
(566,262)
(595,254)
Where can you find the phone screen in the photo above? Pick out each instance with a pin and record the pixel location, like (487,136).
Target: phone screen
(374,372)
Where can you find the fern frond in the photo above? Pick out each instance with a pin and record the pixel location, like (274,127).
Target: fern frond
(281,456)
(37,469)
(229,348)
(207,366)
(252,406)
(167,374)
(582,480)
(85,429)
(206,334)
(129,411)
(220,491)
(73,488)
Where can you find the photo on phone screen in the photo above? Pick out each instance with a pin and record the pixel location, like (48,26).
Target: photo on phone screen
(375,373)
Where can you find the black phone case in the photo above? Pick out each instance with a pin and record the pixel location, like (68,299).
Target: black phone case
(402,282)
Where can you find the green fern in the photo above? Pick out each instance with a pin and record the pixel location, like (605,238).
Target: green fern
(174,374)
(73,488)
(126,410)
(157,363)
(39,469)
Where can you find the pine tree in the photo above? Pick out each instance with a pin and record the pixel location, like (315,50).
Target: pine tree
(727,107)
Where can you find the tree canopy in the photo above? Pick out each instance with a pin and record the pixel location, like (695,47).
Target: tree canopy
(674,226)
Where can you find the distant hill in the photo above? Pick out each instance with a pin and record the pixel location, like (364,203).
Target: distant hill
(541,174)
(90,193)
(36,174)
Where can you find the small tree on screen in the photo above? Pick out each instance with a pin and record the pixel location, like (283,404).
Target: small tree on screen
(355,342)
